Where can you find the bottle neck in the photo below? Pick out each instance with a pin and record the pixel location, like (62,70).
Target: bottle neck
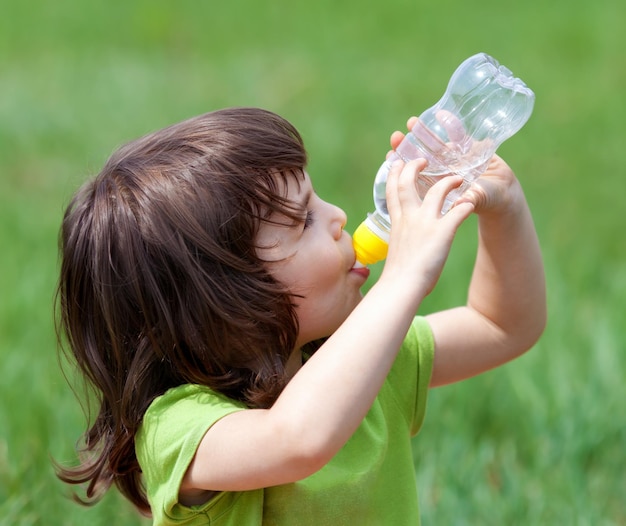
(379,225)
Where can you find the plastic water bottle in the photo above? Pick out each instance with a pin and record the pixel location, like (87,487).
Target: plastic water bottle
(484,104)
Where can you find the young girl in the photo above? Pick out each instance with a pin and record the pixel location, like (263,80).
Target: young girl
(211,299)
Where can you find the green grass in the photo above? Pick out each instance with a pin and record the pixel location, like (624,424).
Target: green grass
(539,441)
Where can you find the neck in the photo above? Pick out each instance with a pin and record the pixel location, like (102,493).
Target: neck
(294,363)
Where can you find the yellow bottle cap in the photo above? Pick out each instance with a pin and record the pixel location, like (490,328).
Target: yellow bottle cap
(369,248)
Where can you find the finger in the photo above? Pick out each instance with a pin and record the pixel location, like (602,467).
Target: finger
(407,182)
(391,190)
(397,136)
(452,124)
(396,139)
(459,212)
(436,195)
(477,194)
(428,139)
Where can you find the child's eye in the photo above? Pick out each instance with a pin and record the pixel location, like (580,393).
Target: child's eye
(308,221)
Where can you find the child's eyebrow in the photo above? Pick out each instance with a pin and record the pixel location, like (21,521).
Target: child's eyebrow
(294,210)
(306,198)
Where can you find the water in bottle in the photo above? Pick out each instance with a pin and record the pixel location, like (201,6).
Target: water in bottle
(483,105)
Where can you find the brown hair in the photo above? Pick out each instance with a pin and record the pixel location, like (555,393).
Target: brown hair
(160,284)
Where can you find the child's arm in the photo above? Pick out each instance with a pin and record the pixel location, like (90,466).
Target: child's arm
(506,306)
(326,400)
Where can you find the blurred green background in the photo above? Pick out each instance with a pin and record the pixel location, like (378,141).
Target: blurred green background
(539,441)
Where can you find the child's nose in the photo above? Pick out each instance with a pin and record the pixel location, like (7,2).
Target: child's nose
(339,221)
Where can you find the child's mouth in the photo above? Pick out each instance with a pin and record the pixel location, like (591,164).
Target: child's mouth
(360,270)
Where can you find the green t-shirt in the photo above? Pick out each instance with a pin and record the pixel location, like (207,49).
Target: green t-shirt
(371,481)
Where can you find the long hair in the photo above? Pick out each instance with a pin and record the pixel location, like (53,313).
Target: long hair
(160,283)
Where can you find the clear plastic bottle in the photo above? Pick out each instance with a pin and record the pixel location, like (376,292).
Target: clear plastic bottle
(483,105)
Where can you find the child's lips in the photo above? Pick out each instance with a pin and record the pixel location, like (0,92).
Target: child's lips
(361,271)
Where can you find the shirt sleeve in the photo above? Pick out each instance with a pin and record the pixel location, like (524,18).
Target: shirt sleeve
(411,372)
(169,436)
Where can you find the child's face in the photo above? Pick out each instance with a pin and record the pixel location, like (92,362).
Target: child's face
(314,258)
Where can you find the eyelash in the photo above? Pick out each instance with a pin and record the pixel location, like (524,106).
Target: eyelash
(308,221)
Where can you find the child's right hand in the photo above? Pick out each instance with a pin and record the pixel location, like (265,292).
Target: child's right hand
(420,237)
